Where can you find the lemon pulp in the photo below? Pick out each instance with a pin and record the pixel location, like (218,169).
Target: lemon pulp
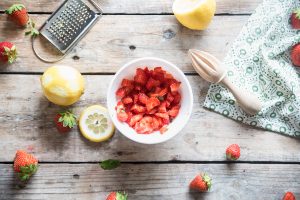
(95,124)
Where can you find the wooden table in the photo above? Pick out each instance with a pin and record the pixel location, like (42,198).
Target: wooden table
(269,164)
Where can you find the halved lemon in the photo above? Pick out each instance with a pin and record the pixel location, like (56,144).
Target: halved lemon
(194,14)
(95,124)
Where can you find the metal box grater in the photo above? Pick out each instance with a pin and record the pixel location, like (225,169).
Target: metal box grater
(68,24)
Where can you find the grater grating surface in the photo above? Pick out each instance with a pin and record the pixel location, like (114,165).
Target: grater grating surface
(69,24)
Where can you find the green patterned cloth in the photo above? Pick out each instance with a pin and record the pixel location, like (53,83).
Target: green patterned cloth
(259,61)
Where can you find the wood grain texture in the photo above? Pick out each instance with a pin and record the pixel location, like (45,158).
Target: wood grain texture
(136,6)
(153,182)
(26,120)
(116,40)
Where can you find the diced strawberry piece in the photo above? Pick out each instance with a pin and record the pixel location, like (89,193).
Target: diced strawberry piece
(163,92)
(170,97)
(127,100)
(135,98)
(156,123)
(134,119)
(126,83)
(140,77)
(144,126)
(166,121)
(158,74)
(152,103)
(121,92)
(168,104)
(160,95)
(163,129)
(152,83)
(173,112)
(175,87)
(121,114)
(147,71)
(163,107)
(130,115)
(168,76)
(143,98)
(177,99)
(162,115)
(138,87)
(138,109)
(153,111)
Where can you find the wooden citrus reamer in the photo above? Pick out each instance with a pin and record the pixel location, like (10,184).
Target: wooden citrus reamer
(210,68)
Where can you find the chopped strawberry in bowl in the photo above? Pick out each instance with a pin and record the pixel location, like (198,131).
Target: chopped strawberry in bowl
(150,100)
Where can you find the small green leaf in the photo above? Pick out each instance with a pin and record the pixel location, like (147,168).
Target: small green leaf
(110,164)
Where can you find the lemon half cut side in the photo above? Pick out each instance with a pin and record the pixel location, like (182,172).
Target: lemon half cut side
(95,124)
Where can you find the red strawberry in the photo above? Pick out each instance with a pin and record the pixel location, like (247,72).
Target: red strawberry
(19,15)
(121,113)
(233,152)
(152,83)
(138,109)
(289,196)
(174,111)
(25,165)
(201,182)
(126,83)
(144,126)
(127,100)
(65,121)
(175,87)
(295,55)
(134,119)
(152,103)
(140,77)
(295,19)
(117,196)
(143,98)
(8,52)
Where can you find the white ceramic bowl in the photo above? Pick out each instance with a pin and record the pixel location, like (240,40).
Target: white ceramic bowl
(128,71)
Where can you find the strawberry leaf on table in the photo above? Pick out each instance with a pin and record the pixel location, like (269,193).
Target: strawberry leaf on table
(110,164)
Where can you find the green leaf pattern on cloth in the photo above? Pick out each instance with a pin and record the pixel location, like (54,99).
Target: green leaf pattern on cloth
(259,62)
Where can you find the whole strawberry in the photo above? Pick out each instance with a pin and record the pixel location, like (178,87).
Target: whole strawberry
(233,152)
(289,196)
(295,19)
(117,196)
(295,55)
(201,182)
(8,52)
(65,121)
(18,14)
(25,165)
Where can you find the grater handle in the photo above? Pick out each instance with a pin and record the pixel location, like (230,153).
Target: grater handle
(42,58)
(97,6)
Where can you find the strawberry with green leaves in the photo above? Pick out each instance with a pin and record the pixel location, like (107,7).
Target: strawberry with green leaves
(8,52)
(18,14)
(201,182)
(25,165)
(233,152)
(295,19)
(117,196)
(65,121)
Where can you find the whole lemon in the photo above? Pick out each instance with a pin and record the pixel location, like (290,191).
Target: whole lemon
(62,85)
(194,14)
